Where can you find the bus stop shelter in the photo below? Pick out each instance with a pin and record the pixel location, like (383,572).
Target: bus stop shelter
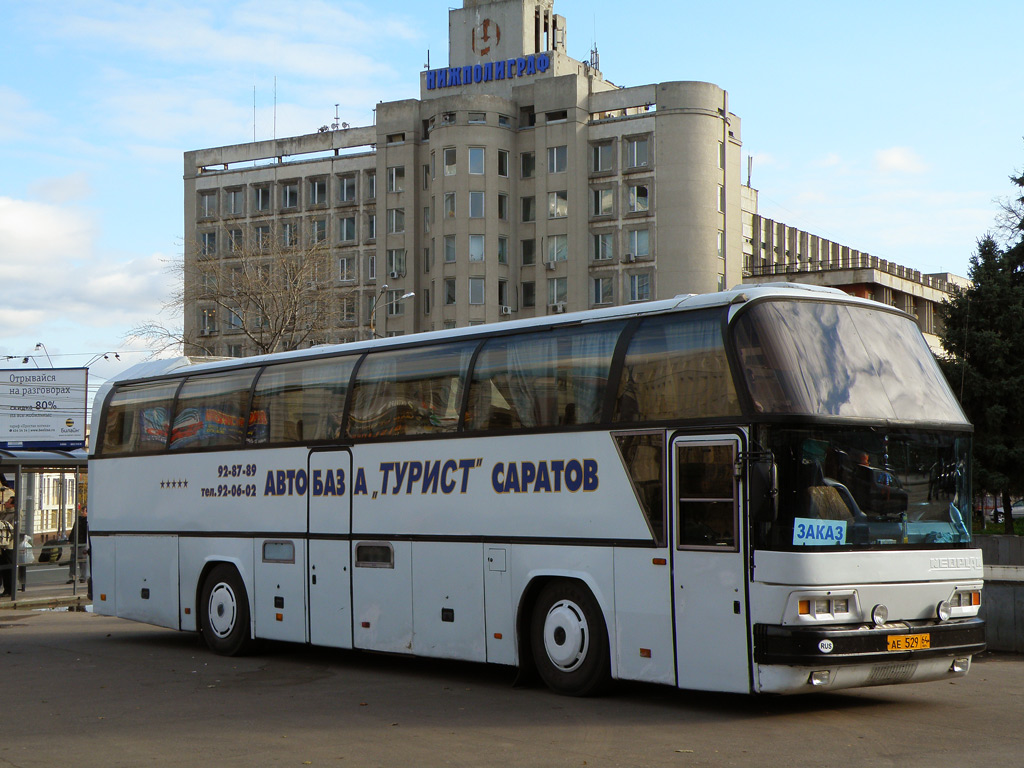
(48,490)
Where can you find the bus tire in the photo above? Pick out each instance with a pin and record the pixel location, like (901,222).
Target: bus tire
(569,640)
(224,612)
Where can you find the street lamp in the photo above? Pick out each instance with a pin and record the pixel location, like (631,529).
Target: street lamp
(42,346)
(376,305)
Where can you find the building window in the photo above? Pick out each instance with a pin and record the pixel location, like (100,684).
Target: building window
(602,290)
(504,121)
(476,160)
(529,294)
(502,249)
(502,206)
(290,234)
(604,246)
(558,247)
(476,205)
(558,290)
(503,163)
(371,185)
(476,247)
(636,152)
(207,321)
(319,232)
(396,262)
(236,242)
(208,243)
(262,198)
(558,204)
(639,242)
(721,199)
(290,194)
(529,208)
(347,189)
(557,159)
(317,191)
(263,238)
(449,205)
(477,117)
(721,154)
(396,178)
(448,118)
(396,306)
(371,226)
(476,290)
(236,201)
(503,293)
(346,269)
(449,291)
(640,287)
(235,350)
(426,175)
(639,199)
(528,164)
(234,321)
(396,220)
(449,161)
(557,116)
(604,202)
(347,311)
(449,249)
(207,204)
(528,248)
(602,157)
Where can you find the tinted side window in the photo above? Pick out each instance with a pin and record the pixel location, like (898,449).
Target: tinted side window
(137,418)
(676,367)
(410,391)
(212,410)
(300,402)
(545,379)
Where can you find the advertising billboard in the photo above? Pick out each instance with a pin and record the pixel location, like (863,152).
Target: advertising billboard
(43,408)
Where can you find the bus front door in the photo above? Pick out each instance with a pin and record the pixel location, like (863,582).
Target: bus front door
(330,569)
(708,579)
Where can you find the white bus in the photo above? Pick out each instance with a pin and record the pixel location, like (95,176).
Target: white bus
(762,490)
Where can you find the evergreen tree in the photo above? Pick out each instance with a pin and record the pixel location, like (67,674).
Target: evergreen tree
(983,337)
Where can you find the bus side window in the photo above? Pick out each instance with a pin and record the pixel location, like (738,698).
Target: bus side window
(546,379)
(212,410)
(676,367)
(300,402)
(137,419)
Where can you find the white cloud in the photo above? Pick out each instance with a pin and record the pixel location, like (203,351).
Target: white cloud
(899,160)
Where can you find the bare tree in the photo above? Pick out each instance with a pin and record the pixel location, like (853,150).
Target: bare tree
(269,289)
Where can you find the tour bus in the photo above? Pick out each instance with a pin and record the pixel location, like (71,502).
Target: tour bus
(760,490)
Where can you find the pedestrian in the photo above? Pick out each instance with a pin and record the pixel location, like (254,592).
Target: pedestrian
(80,547)
(8,517)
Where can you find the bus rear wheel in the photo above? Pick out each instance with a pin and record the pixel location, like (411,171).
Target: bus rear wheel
(225,612)
(569,640)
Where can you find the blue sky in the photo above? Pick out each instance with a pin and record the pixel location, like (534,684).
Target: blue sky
(889,127)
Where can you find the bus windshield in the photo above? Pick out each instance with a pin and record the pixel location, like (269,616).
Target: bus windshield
(841,360)
(862,488)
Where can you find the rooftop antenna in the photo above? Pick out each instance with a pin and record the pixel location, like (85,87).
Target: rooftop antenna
(275,107)
(337,119)
(750,167)
(427,65)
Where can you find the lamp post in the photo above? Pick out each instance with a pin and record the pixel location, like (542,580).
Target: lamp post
(376,305)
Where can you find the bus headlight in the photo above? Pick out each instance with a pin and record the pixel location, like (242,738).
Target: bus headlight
(879,615)
(943,610)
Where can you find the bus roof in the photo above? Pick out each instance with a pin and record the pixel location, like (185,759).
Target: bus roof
(736,296)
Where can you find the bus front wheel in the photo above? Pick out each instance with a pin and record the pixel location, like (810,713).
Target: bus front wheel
(569,640)
(225,612)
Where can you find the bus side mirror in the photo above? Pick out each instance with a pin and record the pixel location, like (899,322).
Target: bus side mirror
(763,491)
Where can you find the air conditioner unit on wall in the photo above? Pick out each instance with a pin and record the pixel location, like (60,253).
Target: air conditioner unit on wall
(506,310)
(395,275)
(630,258)
(556,309)
(549,264)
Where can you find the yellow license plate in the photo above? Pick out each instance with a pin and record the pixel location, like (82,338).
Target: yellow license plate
(908,642)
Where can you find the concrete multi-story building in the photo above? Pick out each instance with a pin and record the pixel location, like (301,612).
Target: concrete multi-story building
(520,183)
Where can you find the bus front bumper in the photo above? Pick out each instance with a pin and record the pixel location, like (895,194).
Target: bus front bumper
(863,644)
